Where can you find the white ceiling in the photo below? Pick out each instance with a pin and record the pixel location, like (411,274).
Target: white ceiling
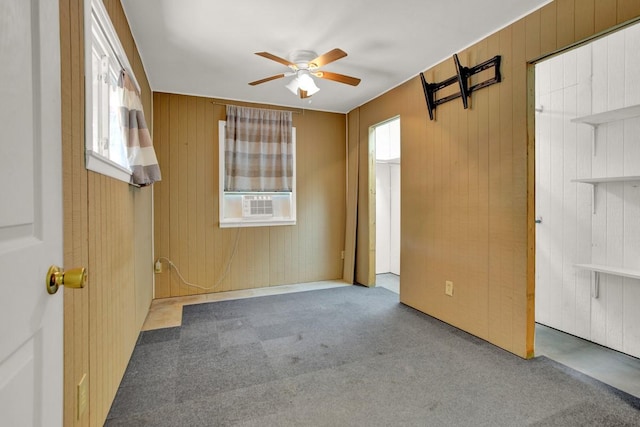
(206,48)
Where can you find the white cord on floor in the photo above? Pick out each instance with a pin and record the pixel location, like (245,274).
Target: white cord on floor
(224,274)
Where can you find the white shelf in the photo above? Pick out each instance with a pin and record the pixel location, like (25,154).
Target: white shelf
(616,271)
(608,179)
(609,116)
(595,181)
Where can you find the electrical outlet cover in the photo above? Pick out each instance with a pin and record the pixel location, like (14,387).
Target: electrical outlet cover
(448,288)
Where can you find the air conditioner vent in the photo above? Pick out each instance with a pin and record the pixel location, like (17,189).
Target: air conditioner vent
(257,206)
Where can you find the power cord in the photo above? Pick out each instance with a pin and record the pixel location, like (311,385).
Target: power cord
(224,274)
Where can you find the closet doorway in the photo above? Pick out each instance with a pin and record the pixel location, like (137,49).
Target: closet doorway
(385,137)
(587,178)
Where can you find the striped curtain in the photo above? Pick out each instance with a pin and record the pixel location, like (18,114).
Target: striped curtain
(140,153)
(258,150)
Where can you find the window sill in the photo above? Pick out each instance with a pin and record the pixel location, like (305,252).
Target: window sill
(102,165)
(239,222)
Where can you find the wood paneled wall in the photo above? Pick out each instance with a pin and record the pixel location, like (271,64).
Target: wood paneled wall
(186,205)
(107,228)
(467,178)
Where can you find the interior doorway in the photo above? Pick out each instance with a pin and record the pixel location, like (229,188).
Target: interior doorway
(587,200)
(385,137)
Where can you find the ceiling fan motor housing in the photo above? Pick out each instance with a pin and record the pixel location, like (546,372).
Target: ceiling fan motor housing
(302,58)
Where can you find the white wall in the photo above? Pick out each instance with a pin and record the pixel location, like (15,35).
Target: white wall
(383,218)
(387,217)
(387,140)
(394,226)
(598,77)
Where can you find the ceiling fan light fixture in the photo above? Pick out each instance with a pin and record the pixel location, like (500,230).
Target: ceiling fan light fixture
(293,86)
(303,81)
(306,82)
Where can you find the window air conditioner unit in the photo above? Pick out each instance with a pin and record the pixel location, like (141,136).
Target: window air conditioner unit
(257,206)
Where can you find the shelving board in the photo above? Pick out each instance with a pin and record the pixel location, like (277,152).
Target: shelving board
(607,179)
(609,116)
(616,271)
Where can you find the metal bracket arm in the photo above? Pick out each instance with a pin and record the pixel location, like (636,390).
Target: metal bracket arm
(462,78)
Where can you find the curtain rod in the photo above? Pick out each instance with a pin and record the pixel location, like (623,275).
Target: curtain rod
(275,109)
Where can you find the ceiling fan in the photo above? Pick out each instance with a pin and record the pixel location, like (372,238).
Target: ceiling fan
(303,65)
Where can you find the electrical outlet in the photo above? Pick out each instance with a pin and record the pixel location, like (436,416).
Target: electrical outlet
(82,397)
(448,288)
(342,255)
(157,267)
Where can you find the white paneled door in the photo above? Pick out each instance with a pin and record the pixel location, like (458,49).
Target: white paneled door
(30,213)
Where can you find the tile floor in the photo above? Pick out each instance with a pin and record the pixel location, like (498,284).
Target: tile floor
(167,312)
(389,281)
(611,367)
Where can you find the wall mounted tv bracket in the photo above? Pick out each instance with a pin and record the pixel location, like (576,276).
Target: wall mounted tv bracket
(462,77)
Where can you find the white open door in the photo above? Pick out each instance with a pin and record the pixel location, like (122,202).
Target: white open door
(30,213)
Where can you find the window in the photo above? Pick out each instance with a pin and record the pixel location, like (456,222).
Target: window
(255,208)
(106,150)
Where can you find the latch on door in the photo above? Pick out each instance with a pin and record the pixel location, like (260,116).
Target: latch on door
(73,278)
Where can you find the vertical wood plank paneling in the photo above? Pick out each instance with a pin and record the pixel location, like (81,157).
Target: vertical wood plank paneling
(71,362)
(616,71)
(599,236)
(556,183)
(552,219)
(533,34)
(631,291)
(186,208)
(584,19)
(473,292)
(199,160)
(161,191)
(569,200)
(513,237)
(209,154)
(521,175)
(496,285)
(74,190)
(615,191)
(627,9)
(352,155)
(101,233)
(543,178)
(531,208)
(482,100)
(605,14)
(363,264)
(191,264)
(584,200)
(95,303)
(549,27)
(566,22)
(78,188)
(632,64)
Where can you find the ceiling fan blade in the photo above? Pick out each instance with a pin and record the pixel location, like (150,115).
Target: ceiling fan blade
(267,79)
(324,59)
(277,59)
(340,78)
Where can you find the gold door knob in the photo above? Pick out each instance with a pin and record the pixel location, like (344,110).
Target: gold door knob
(73,278)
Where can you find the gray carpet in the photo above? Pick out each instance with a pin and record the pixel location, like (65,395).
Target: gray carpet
(348,356)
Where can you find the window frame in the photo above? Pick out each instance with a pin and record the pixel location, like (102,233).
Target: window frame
(239,221)
(95,13)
